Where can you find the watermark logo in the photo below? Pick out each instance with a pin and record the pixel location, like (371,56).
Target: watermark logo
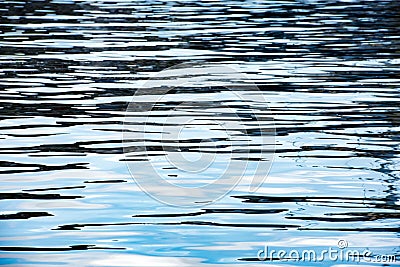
(194,132)
(340,253)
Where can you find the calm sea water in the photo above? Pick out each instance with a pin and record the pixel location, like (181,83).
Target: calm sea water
(328,69)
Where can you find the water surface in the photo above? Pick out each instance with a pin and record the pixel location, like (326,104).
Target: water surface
(329,70)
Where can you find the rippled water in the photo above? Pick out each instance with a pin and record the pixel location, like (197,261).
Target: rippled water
(328,69)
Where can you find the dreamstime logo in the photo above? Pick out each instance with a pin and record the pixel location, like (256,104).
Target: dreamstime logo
(340,253)
(194,132)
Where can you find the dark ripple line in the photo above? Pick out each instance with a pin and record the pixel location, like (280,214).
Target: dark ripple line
(204,223)
(35,196)
(274,199)
(24,215)
(70,248)
(54,188)
(211,211)
(356,217)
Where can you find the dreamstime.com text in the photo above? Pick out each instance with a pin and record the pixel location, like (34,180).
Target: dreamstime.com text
(340,253)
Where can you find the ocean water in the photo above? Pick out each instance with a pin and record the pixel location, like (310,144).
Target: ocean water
(327,70)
